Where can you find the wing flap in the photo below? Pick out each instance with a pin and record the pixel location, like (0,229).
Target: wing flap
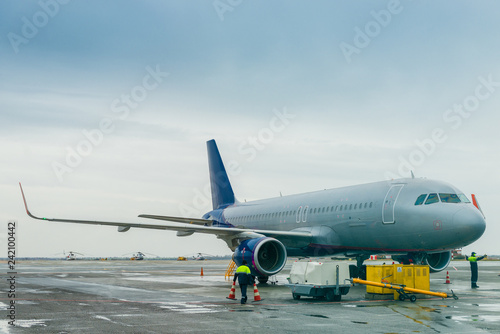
(197,221)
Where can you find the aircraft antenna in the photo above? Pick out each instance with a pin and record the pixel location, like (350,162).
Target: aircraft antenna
(412,175)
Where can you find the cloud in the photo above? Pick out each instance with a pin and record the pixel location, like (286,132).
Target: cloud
(353,120)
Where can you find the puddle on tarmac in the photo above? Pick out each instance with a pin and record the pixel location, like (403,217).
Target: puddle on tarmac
(359,322)
(26,302)
(475,318)
(241,310)
(490,307)
(430,309)
(189,308)
(358,305)
(30,323)
(317,316)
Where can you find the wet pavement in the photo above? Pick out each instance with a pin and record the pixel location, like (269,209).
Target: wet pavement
(172,297)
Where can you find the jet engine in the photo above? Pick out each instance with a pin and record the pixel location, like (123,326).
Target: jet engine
(438,261)
(435,261)
(265,256)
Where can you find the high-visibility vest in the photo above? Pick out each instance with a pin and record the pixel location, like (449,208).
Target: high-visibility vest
(243,269)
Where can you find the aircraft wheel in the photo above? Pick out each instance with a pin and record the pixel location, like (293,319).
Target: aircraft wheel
(362,272)
(402,298)
(413,298)
(262,279)
(295,296)
(337,298)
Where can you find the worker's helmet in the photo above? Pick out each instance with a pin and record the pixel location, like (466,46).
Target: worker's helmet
(473,254)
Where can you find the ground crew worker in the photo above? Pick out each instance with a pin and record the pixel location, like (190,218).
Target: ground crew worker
(245,278)
(473,268)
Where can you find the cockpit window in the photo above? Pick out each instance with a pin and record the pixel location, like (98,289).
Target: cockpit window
(463,198)
(433,198)
(420,199)
(449,198)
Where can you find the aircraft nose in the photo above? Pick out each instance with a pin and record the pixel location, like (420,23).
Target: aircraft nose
(470,224)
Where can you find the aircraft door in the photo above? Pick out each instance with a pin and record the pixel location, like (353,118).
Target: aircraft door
(299,215)
(302,214)
(389,203)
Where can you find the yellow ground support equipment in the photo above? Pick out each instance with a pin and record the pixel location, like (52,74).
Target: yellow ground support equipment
(411,276)
(403,290)
(231,268)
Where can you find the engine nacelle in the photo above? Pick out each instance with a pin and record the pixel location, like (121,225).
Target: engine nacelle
(438,261)
(265,256)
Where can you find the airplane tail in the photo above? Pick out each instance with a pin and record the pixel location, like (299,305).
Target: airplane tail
(222,192)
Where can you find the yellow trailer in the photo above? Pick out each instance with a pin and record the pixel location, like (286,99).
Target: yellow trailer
(403,290)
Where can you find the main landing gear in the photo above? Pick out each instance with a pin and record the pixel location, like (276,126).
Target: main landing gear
(263,279)
(359,270)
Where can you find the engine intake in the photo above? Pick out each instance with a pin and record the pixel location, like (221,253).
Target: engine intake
(438,261)
(265,256)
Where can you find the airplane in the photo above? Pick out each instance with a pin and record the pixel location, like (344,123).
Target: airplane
(412,219)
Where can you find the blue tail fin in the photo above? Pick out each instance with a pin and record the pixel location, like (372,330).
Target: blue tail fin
(222,192)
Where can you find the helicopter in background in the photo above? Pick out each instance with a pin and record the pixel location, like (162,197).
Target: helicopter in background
(71,255)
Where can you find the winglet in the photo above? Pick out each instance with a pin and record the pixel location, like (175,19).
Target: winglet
(26,205)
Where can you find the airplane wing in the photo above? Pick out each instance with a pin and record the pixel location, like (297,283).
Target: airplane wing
(189,226)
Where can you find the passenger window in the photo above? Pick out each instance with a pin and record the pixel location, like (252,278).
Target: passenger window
(433,198)
(420,199)
(355,206)
(449,198)
(350,207)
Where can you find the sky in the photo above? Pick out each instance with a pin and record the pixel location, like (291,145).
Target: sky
(106,106)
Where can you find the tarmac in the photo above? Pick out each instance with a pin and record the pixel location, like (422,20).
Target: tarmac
(172,297)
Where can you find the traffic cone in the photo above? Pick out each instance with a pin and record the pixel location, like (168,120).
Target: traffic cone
(256,294)
(232,292)
(447,278)
(201,274)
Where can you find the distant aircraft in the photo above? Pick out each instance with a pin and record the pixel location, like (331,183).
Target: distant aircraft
(138,256)
(414,220)
(71,256)
(201,256)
